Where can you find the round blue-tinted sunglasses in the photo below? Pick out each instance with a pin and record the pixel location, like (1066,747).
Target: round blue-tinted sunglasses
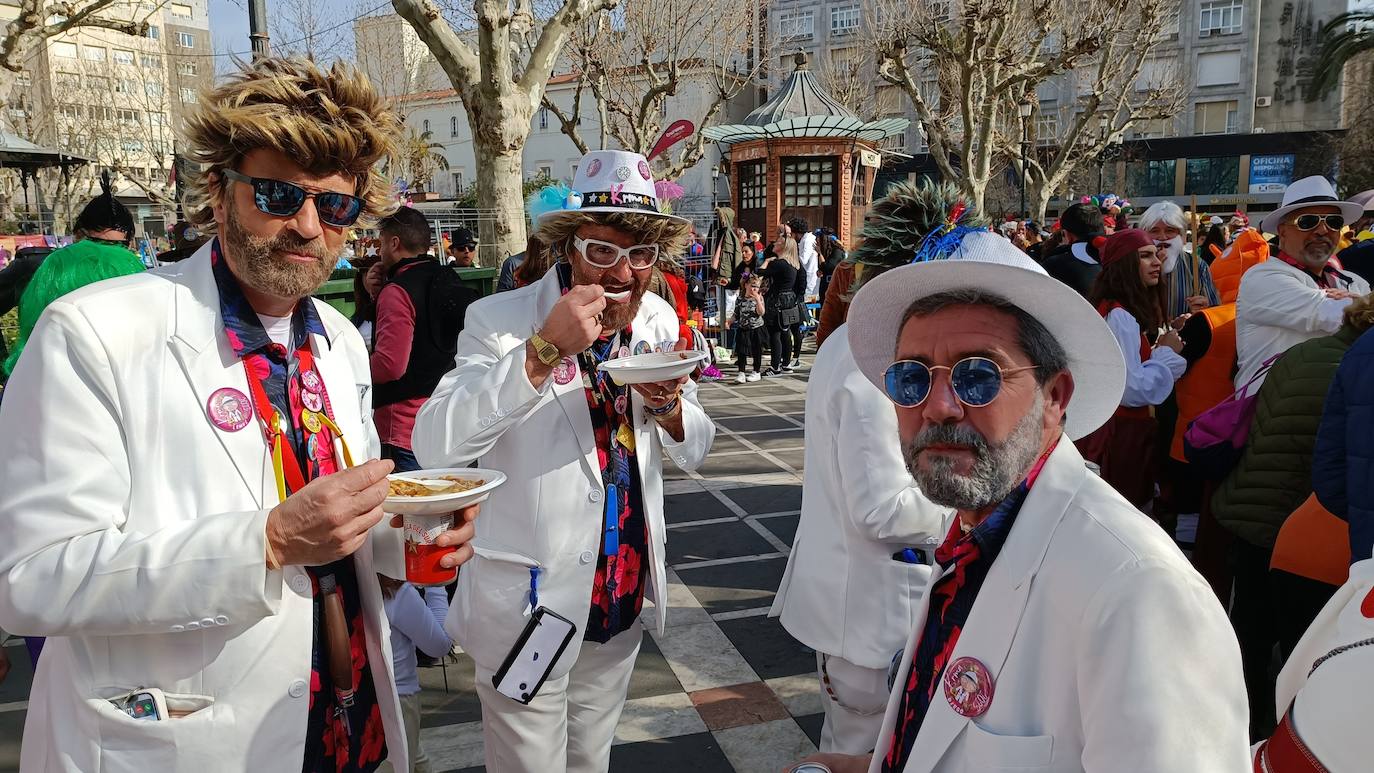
(976,380)
(284,199)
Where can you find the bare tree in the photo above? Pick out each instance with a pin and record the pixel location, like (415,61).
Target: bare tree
(38,21)
(965,67)
(500,78)
(637,62)
(308,28)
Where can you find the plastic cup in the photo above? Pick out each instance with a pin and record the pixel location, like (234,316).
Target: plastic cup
(422,555)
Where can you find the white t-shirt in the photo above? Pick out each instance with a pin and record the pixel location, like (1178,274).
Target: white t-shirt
(278,329)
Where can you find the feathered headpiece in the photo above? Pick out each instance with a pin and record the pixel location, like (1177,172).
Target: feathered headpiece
(901,225)
(551,198)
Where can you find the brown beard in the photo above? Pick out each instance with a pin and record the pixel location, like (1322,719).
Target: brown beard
(260,263)
(617,316)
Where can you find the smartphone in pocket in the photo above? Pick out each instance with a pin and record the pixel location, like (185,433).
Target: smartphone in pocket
(531,660)
(144,703)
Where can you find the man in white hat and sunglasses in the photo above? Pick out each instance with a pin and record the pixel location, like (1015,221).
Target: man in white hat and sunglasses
(550,607)
(1299,294)
(1062,630)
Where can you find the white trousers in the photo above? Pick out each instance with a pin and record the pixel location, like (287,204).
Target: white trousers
(855,699)
(570,724)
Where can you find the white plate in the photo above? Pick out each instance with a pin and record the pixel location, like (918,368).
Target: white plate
(445,503)
(653,366)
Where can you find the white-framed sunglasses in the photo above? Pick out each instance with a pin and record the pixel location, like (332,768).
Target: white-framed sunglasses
(599,254)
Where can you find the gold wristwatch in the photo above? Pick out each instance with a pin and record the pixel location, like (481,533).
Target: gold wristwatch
(545,351)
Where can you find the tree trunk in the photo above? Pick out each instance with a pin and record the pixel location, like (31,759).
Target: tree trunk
(499,188)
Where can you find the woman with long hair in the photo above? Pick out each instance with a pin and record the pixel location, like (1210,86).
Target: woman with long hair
(1215,244)
(779,269)
(1129,295)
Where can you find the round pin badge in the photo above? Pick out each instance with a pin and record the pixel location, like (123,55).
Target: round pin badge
(312,447)
(312,400)
(311,381)
(565,371)
(624,351)
(594,167)
(622,173)
(620,404)
(643,347)
(644,169)
(311,421)
(968,687)
(229,409)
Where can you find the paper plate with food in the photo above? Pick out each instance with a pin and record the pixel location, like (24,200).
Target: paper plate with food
(425,492)
(653,366)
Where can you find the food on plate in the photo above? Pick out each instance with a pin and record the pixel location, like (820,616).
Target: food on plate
(404,488)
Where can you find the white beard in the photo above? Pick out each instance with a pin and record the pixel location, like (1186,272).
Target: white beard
(1175,248)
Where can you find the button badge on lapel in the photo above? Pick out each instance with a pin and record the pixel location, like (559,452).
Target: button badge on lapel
(565,371)
(968,687)
(229,409)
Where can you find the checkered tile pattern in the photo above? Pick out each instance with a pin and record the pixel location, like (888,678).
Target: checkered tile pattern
(725,688)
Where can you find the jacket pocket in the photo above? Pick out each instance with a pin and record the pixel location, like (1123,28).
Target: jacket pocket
(989,752)
(129,745)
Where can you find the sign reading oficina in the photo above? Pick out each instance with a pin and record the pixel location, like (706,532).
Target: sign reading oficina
(1271,174)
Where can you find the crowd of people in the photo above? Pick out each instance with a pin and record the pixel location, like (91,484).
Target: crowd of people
(1096,499)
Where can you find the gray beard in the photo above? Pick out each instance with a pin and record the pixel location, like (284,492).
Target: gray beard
(997,470)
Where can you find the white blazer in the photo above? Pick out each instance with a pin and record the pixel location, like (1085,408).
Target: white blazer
(132,534)
(1108,652)
(842,593)
(549,513)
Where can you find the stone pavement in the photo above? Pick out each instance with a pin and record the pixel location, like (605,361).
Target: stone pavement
(726,688)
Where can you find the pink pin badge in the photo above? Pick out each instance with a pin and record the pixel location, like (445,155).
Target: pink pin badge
(229,409)
(968,687)
(644,170)
(311,381)
(312,400)
(593,167)
(565,371)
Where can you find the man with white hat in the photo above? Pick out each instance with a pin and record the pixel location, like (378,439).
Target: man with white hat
(550,607)
(1298,295)
(1063,630)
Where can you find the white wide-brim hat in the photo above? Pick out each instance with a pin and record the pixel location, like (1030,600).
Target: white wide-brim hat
(612,181)
(1314,191)
(986,261)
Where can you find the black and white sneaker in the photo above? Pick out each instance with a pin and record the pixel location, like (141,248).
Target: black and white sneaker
(787,368)
(794,364)
(771,372)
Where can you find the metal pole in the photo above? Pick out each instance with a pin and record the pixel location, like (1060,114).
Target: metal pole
(1025,151)
(257,29)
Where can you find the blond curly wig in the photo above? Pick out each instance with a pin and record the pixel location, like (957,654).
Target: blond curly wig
(669,234)
(328,121)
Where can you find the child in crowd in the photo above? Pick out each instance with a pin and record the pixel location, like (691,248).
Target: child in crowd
(749,343)
(417,623)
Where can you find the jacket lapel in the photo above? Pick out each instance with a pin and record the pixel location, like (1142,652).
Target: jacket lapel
(996,616)
(209,364)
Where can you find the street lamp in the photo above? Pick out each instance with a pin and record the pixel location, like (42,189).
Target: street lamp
(1024,110)
(715,184)
(1104,135)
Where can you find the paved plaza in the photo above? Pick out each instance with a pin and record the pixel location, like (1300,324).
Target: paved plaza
(725,688)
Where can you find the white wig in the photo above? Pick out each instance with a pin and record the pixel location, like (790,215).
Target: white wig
(1166,212)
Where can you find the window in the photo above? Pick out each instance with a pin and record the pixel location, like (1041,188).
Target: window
(98,83)
(123,56)
(543,119)
(844,21)
(67,80)
(153,88)
(1212,176)
(186,68)
(101,113)
(64,50)
(154,33)
(1150,129)
(753,185)
(1151,178)
(453,126)
(93,53)
(458,182)
(150,61)
(1220,17)
(131,146)
(188,96)
(1215,117)
(425,130)
(71,111)
(129,116)
(808,182)
(181,9)
(1218,68)
(130,86)
(23,80)
(186,40)
(1047,125)
(543,172)
(796,25)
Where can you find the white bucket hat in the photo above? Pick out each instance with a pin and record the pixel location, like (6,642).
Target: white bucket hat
(1314,191)
(986,261)
(612,181)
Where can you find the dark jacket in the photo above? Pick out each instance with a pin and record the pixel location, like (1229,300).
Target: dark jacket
(1343,460)
(782,278)
(1358,259)
(506,280)
(440,302)
(737,273)
(1274,474)
(1063,265)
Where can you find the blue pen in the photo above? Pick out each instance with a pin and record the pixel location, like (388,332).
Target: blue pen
(908,556)
(612,541)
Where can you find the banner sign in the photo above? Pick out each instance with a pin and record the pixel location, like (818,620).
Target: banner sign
(675,133)
(1271,174)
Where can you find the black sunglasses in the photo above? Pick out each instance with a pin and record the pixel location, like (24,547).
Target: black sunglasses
(1309,222)
(284,199)
(976,381)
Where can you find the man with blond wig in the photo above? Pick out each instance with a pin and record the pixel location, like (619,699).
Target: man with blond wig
(182,513)
(572,546)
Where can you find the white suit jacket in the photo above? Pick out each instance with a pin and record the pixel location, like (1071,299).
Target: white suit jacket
(1109,653)
(549,513)
(132,534)
(842,593)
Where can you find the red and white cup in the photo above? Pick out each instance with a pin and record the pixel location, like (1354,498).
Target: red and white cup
(422,555)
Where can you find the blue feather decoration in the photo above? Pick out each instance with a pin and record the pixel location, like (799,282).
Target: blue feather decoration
(550,198)
(944,240)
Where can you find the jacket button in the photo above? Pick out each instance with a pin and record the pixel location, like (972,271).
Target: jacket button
(593,496)
(300,583)
(193,626)
(297,688)
(221,620)
(208,622)
(586,556)
(178,628)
